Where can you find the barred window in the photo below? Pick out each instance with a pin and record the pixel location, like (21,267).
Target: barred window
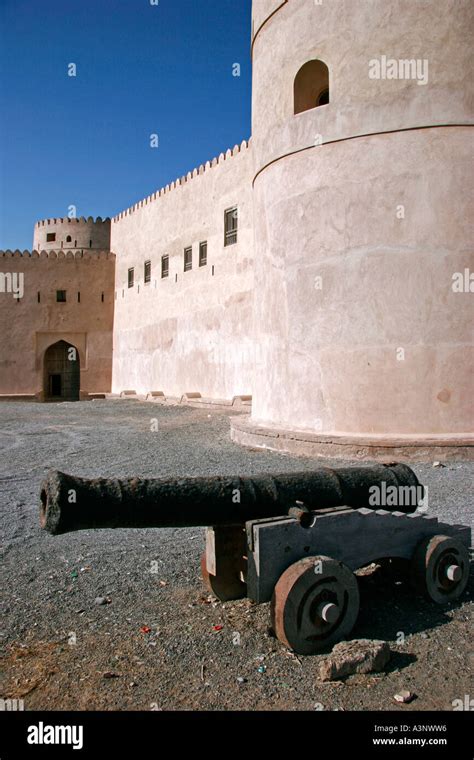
(147,271)
(188,259)
(203,254)
(131,277)
(230,226)
(165,266)
(50,237)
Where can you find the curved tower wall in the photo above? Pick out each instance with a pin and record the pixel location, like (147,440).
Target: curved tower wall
(362,219)
(72,234)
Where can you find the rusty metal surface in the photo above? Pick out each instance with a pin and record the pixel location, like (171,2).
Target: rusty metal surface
(72,503)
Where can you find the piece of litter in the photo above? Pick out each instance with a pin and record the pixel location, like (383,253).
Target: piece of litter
(217,627)
(110,674)
(163,583)
(74,574)
(241,680)
(145,629)
(262,669)
(438,464)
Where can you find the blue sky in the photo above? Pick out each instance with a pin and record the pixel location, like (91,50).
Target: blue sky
(141,69)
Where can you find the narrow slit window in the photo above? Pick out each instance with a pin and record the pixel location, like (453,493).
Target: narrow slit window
(147,271)
(78,297)
(165,266)
(131,277)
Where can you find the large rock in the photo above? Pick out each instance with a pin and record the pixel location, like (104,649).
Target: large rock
(357,656)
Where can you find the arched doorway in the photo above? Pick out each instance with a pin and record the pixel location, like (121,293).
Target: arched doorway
(61,376)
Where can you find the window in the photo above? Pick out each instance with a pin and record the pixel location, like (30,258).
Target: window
(323,99)
(203,254)
(102,297)
(147,271)
(131,277)
(39,297)
(50,237)
(90,243)
(311,86)
(60,296)
(188,259)
(68,239)
(78,297)
(165,266)
(230,226)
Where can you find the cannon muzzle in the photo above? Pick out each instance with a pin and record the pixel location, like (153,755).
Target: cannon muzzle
(70,503)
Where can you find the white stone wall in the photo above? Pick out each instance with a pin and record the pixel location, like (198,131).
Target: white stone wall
(192,330)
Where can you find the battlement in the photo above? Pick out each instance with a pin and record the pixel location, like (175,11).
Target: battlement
(60,254)
(74,220)
(196,172)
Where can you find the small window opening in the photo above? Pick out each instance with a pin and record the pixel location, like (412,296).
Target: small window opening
(188,259)
(311,86)
(60,296)
(131,277)
(165,266)
(147,271)
(230,226)
(50,237)
(203,254)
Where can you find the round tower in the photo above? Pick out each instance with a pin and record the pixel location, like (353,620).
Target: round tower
(71,234)
(362,145)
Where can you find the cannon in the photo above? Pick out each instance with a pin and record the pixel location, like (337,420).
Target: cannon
(293,539)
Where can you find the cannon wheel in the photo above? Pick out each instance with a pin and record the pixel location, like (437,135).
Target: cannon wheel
(440,568)
(226,584)
(315,604)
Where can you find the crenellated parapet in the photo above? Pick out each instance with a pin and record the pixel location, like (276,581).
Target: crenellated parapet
(65,233)
(59,254)
(196,172)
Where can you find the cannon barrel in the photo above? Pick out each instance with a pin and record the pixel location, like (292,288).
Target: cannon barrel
(70,503)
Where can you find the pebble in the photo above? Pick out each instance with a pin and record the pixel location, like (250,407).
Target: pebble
(241,680)
(404,697)
(101,600)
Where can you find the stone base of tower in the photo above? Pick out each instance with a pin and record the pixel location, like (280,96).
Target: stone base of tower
(401,448)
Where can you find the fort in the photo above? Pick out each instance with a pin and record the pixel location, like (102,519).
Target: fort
(283,269)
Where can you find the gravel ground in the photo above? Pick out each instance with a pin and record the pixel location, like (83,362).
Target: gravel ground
(153,645)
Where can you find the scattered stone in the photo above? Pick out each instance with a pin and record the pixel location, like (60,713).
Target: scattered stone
(241,680)
(404,697)
(438,464)
(110,674)
(357,656)
(101,600)
(424,635)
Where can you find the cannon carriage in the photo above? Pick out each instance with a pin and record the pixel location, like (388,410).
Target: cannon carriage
(292,539)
